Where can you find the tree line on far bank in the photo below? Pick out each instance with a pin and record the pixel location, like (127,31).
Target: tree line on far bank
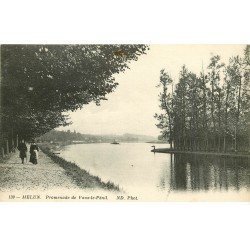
(39,83)
(68,137)
(209,111)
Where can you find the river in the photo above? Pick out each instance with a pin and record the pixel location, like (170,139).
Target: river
(135,169)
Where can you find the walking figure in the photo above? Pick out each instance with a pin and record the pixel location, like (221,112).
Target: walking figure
(23,150)
(33,152)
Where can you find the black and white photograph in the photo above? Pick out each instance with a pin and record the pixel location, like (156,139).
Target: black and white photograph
(125,122)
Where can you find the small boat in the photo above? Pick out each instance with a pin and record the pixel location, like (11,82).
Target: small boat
(115,142)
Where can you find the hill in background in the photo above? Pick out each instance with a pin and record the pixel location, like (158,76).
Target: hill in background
(74,137)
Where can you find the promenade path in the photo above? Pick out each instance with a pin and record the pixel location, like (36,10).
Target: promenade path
(46,175)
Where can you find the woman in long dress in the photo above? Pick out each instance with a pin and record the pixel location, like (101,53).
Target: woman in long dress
(34,153)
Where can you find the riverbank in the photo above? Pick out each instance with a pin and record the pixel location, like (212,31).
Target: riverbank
(81,177)
(172,151)
(51,174)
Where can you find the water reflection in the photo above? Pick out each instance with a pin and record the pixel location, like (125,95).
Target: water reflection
(202,173)
(138,171)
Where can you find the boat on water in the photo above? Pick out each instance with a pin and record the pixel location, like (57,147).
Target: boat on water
(115,142)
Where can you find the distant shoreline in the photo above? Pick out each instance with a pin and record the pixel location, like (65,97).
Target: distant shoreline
(62,143)
(170,151)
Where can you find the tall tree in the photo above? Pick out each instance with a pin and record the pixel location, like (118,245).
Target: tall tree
(212,111)
(41,82)
(165,98)
(215,93)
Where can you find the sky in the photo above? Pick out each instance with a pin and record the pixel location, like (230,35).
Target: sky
(131,108)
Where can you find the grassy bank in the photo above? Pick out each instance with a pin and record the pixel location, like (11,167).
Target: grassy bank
(81,177)
(168,150)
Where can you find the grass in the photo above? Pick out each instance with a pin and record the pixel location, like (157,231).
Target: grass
(81,177)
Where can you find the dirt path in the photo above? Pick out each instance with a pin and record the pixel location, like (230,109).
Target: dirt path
(43,176)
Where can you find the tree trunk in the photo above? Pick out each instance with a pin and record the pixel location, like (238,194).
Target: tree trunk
(238,115)
(7,147)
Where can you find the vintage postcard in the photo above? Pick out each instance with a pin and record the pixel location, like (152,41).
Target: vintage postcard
(125,122)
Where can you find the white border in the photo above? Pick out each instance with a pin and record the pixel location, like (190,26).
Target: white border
(130,21)
(114,225)
(125,226)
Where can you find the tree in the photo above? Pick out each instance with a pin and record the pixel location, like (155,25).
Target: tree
(203,80)
(180,110)
(41,82)
(237,109)
(215,100)
(165,123)
(209,112)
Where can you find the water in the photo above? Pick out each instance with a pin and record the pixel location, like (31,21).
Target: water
(134,168)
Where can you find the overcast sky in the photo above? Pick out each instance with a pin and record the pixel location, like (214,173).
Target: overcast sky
(130,109)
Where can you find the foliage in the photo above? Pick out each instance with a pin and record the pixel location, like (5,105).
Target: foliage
(210,111)
(41,82)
